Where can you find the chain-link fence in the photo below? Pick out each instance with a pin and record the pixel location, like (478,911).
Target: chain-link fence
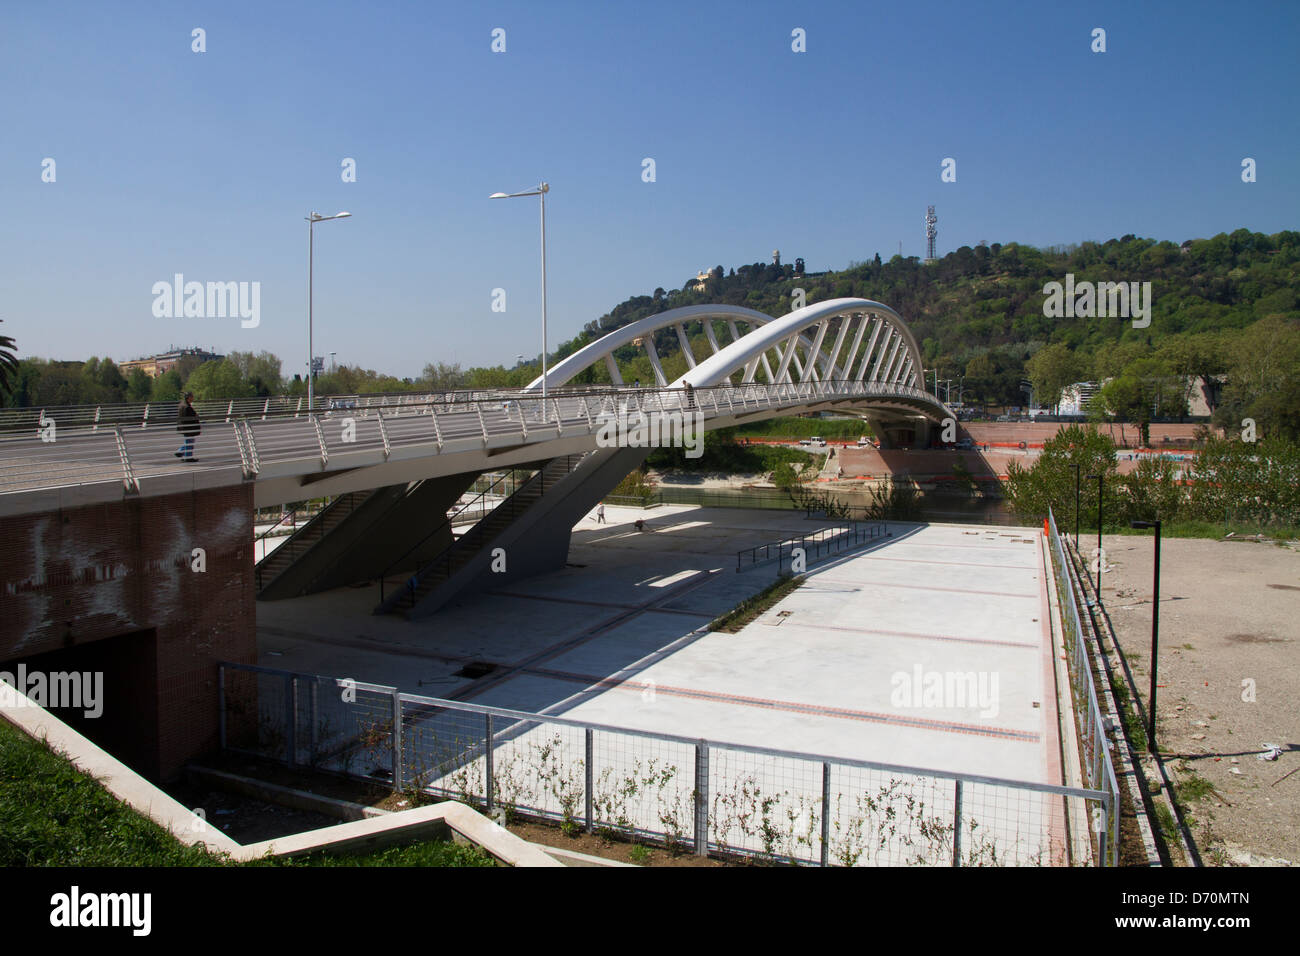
(689,794)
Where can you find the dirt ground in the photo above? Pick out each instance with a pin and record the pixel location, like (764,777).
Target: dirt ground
(1227,683)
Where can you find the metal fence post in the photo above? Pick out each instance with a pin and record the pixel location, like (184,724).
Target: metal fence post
(315,720)
(293,722)
(397,740)
(221,692)
(826,812)
(956,826)
(702,798)
(487,755)
(589,775)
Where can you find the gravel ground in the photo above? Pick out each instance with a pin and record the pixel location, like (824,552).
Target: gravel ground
(1229,623)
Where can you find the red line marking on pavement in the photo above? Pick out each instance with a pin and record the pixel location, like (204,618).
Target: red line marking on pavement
(918,636)
(922,723)
(917,587)
(607,604)
(958,564)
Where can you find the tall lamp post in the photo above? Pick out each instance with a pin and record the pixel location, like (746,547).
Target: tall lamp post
(1100,497)
(1155,631)
(541,191)
(311,353)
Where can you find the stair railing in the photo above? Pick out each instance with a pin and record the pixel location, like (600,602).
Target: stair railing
(474,539)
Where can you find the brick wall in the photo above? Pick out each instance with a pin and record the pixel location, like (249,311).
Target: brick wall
(73,578)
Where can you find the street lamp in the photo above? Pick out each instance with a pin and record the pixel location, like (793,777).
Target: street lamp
(1100,480)
(541,191)
(1155,631)
(311,354)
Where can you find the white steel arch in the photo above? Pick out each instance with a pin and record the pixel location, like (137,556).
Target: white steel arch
(890,356)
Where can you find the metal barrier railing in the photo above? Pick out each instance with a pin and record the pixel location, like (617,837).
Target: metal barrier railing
(1094,741)
(689,793)
(78,455)
(826,541)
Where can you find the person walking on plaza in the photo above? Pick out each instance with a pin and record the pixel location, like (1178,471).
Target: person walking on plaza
(600,513)
(187,423)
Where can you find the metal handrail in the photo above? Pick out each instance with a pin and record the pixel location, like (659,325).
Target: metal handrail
(299,536)
(450,518)
(1099,769)
(854,531)
(511,507)
(293,436)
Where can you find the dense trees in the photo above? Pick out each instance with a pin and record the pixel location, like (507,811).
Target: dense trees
(1225,308)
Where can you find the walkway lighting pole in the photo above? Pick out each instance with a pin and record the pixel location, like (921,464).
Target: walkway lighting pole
(311,242)
(541,191)
(1155,631)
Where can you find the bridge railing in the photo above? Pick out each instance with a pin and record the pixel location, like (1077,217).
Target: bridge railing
(250,437)
(692,794)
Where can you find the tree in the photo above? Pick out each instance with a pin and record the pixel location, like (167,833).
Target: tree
(8,363)
(139,386)
(262,371)
(167,387)
(222,379)
(1050,370)
(1050,481)
(441,376)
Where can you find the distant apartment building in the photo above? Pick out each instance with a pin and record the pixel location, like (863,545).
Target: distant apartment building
(1075,398)
(156,365)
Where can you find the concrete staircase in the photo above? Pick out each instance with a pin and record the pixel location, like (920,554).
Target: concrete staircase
(307,537)
(478,540)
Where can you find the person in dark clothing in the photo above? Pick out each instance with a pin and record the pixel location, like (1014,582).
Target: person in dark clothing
(187,423)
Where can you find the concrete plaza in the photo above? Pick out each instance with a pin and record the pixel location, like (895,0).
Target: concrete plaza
(929,648)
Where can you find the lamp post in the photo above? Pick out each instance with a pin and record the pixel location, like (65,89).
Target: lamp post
(541,191)
(311,355)
(1155,631)
(1100,480)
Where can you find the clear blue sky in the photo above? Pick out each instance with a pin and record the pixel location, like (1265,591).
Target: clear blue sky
(205,164)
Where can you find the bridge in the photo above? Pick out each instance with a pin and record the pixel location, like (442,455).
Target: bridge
(111,539)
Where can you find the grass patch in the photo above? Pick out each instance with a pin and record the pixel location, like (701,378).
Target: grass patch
(1191,787)
(1168,826)
(1133,727)
(750,608)
(1210,529)
(51,814)
(432,853)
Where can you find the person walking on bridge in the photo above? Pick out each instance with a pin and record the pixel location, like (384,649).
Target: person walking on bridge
(187,423)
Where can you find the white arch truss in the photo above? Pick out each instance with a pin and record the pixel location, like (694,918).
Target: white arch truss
(870,343)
